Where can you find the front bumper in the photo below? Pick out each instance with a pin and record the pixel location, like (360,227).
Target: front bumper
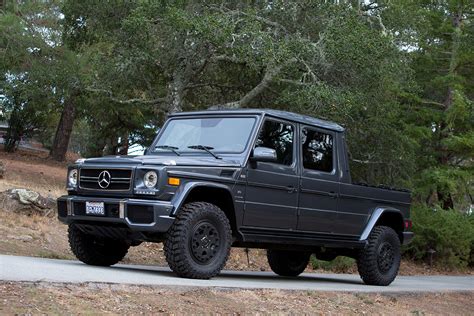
(139,215)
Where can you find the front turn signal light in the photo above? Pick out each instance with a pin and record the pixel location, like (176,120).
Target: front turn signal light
(173,181)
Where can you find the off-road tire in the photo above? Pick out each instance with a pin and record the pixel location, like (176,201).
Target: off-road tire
(198,243)
(287,263)
(94,250)
(379,262)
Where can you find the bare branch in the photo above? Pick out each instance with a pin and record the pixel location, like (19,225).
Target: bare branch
(109,94)
(294,82)
(210,84)
(230,59)
(270,74)
(257,17)
(429,102)
(367,161)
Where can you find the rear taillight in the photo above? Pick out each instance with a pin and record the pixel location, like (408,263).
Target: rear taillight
(408,224)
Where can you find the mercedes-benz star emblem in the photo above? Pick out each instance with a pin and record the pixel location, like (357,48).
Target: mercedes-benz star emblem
(104,179)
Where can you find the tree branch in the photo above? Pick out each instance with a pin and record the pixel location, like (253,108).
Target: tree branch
(230,59)
(367,161)
(210,84)
(429,102)
(257,17)
(109,94)
(294,82)
(269,76)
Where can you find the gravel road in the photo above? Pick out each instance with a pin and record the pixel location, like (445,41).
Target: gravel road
(15,268)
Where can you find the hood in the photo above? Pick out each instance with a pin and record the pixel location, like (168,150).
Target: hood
(165,160)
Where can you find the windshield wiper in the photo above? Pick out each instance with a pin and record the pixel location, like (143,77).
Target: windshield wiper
(206,149)
(172,148)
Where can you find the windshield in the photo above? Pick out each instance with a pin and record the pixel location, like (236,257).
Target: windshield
(224,135)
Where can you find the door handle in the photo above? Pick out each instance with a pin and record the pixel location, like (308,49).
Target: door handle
(290,189)
(333,194)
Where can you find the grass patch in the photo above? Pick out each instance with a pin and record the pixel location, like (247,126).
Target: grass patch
(52,255)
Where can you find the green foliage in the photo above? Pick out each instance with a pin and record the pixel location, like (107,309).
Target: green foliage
(338,265)
(396,74)
(444,103)
(450,234)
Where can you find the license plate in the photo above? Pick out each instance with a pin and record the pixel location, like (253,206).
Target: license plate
(95,208)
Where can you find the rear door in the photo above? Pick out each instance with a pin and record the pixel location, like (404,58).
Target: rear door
(272,188)
(319,186)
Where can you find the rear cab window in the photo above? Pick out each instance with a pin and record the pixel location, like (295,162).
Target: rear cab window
(318,152)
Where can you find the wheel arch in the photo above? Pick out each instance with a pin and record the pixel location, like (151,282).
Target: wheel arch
(385,216)
(215,193)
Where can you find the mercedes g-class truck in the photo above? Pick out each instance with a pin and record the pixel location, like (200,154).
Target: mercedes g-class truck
(213,180)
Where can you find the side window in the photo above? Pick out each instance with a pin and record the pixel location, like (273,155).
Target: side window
(317,150)
(278,136)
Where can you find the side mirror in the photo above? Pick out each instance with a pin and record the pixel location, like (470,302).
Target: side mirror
(147,151)
(264,154)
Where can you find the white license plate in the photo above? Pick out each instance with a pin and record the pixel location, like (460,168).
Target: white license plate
(95,208)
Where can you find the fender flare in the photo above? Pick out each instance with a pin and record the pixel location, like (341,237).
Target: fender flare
(183,192)
(376,214)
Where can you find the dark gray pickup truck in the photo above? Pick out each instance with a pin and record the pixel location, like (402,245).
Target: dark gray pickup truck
(214,180)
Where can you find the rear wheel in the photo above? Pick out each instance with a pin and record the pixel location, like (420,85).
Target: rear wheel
(379,262)
(287,263)
(198,244)
(94,250)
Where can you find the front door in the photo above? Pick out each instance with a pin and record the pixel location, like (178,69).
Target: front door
(272,188)
(319,181)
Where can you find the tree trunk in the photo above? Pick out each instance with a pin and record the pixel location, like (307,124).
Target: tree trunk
(64,130)
(14,131)
(445,198)
(175,96)
(123,146)
(177,89)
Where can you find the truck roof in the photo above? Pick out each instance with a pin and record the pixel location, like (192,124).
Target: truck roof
(290,116)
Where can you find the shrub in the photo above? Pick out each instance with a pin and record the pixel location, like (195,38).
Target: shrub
(449,233)
(338,265)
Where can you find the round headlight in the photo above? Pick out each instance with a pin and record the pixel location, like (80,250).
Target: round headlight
(72,177)
(150,179)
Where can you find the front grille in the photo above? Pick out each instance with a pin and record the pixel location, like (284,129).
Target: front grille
(140,214)
(111,209)
(120,179)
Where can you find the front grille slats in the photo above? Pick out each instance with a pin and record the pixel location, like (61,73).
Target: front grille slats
(120,179)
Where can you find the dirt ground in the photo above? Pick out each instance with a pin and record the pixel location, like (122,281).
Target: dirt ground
(33,170)
(93,298)
(39,236)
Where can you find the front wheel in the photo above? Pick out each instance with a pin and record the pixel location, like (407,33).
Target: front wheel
(287,263)
(95,250)
(379,262)
(198,243)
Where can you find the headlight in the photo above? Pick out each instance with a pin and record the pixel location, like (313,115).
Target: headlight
(72,177)
(150,179)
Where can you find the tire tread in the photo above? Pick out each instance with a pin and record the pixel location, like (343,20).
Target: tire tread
(175,245)
(280,264)
(83,247)
(367,260)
